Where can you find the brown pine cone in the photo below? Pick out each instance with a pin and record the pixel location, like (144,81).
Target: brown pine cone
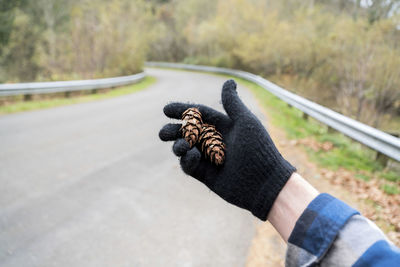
(192,125)
(212,145)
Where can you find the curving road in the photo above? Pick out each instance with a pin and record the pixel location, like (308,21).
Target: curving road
(92,185)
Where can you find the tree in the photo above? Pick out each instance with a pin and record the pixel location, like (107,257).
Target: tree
(19,56)
(7,16)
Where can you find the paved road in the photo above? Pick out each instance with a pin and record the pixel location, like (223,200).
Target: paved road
(92,185)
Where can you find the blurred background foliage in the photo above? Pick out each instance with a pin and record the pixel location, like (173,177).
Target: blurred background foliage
(57,40)
(344,54)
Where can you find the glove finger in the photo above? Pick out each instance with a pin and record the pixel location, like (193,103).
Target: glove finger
(180,147)
(233,105)
(191,164)
(209,115)
(170,132)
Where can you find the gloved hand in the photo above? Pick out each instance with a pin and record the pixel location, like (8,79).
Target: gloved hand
(254,171)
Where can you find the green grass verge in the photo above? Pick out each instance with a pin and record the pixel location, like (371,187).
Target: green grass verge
(362,176)
(391,176)
(20,106)
(390,189)
(345,154)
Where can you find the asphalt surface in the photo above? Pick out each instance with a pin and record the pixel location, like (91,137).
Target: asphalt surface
(92,185)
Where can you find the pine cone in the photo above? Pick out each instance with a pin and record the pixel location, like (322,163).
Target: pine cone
(211,144)
(192,126)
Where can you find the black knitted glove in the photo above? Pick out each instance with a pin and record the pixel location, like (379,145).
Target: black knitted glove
(254,171)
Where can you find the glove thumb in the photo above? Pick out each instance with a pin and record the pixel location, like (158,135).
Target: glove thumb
(233,105)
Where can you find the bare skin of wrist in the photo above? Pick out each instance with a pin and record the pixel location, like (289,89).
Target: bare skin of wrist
(290,204)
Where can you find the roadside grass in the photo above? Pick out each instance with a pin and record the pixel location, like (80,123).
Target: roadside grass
(391,176)
(19,105)
(362,176)
(345,153)
(390,189)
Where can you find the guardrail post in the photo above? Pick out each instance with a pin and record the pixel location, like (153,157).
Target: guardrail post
(305,116)
(94,91)
(289,106)
(67,94)
(330,129)
(382,159)
(27,97)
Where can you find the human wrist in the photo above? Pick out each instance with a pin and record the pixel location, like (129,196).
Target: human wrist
(290,203)
(273,174)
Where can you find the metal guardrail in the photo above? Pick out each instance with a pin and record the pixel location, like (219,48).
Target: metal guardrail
(67,86)
(369,136)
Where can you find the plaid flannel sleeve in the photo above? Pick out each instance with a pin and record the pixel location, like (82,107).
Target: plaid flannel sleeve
(331,233)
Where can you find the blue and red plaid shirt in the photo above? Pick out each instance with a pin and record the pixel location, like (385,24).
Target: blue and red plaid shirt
(331,233)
